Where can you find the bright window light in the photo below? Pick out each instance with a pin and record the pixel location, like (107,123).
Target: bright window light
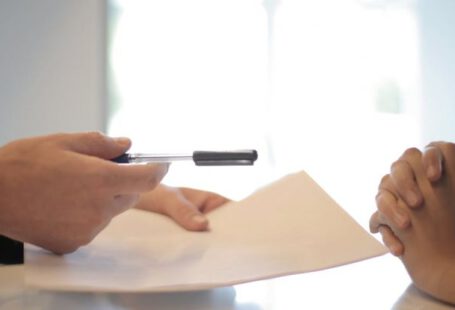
(326,86)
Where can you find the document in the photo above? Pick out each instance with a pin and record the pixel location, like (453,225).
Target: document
(288,227)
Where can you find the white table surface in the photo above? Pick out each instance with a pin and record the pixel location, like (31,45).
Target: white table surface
(379,283)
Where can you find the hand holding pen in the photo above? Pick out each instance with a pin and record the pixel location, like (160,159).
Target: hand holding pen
(59,191)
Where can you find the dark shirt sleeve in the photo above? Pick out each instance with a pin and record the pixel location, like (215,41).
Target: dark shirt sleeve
(11,251)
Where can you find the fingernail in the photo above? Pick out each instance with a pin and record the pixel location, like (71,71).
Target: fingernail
(123,141)
(199,219)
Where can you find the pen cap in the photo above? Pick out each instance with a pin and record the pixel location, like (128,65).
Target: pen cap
(225,158)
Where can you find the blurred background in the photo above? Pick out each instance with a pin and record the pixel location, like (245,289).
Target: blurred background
(338,88)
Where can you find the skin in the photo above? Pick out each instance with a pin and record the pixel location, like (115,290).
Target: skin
(427,237)
(59,191)
(401,182)
(186,206)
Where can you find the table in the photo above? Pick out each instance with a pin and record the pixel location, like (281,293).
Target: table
(378,283)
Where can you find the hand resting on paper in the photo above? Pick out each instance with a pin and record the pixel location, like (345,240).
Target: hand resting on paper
(185,206)
(422,233)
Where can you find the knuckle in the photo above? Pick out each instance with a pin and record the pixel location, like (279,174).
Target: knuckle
(96,136)
(383,205)
(384,181)
(184,212)
(412,152)
(153,181)
(448,149)
(432,157)
(402,174)
(373,223)
(397,164)
(384,221)
(436,143)
(378,196)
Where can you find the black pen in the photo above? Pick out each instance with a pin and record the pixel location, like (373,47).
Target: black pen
(200,158)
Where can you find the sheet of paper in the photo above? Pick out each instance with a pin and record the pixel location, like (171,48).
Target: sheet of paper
(291,226)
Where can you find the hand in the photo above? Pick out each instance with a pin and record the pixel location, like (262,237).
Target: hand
(429,239)
(59,191)
(401,183)
(184,205)
(403,178)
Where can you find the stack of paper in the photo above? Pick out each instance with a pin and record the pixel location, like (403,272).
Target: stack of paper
(291,226)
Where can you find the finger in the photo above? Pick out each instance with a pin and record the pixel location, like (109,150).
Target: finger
(404,182)
(95,144)
(433,159)
(390,211)
(186,214)
(391,241)
(205,201)
(135,178)
(121,203)
(375,222)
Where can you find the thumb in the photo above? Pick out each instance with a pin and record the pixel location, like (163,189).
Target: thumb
(96,144)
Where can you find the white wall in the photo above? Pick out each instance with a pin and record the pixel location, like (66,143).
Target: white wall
(437,26)
(52,66)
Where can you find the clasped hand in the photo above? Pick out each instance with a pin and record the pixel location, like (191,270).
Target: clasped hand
(416,216)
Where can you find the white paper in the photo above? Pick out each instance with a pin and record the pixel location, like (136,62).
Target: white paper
(291,226)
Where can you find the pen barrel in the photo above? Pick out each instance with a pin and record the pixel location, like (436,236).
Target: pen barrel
(225,158)
(200,158)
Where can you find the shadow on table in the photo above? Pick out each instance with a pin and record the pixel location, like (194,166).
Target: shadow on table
(220,299)
(413,299)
